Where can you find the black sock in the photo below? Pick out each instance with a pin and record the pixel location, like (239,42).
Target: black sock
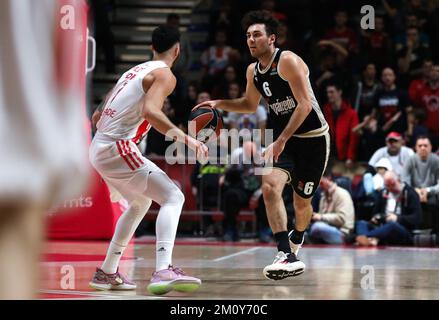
(282,241)
(297,236)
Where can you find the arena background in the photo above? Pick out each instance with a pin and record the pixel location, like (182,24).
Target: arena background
(214,58)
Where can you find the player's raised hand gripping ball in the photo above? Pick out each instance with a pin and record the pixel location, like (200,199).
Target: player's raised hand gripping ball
(205,123)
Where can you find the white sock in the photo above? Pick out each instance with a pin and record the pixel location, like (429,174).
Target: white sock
(162,190)
(163,254)
(125,228)
(111,262)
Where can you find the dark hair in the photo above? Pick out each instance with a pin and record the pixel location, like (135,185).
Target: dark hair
(419,114)
(263,17)
(336,85)
(164,37)
(422,137)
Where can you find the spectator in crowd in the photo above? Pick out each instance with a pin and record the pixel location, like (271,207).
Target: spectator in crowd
(421,172)
(419,10)
(391,104)
(377,44)
(342,34)
(206,181)
(411,56)
(375,184)
(183,64)
(284,40)
(428,99)
(270,5)
(335,219)
(415,118)
(341,53)
(364,99)
(184,106)
(203,96)
(327,72)
(341,119)
(220,90)
(368,191)
(371,137)
(397,213)
(393,14)
(364,95)
(411,21)
(227,20)
(419,83)
(156,143)
(240,185)
(394,151)
(216,58)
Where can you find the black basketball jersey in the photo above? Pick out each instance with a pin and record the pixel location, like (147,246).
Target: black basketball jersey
(282,103)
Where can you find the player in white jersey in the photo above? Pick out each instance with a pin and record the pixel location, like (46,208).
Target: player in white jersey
(42,131)
(132,107)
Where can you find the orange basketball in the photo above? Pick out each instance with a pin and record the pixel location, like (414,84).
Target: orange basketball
(205,123)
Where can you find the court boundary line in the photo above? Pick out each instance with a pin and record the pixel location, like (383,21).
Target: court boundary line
(235,254)
(94,294)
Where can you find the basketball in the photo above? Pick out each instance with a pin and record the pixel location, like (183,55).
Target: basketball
(205,123)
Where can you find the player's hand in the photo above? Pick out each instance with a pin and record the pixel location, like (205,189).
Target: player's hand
(200,148)
(211,103)
(273,151)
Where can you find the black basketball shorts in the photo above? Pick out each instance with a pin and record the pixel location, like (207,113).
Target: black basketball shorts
(304,160)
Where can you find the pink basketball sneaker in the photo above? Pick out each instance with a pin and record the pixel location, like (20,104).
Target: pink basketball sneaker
(163,281)
(114,281)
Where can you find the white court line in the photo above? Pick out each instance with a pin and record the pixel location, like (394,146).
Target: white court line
(91,295)
(79,293)
(236,254)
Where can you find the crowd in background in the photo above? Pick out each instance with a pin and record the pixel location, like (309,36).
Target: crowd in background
(379,92)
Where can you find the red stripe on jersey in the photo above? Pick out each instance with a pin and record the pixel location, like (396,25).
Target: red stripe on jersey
(120,149)
(138,158)
(141,131)
(130,154)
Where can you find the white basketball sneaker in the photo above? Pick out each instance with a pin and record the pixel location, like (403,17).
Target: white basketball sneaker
(284,266)
(295,247)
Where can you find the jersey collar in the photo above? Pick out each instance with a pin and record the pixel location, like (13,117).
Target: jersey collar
(268,65)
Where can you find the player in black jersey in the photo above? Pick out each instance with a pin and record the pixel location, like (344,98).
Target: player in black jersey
(300,133)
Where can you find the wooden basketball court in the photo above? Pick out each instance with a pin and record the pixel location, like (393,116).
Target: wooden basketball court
(234,271)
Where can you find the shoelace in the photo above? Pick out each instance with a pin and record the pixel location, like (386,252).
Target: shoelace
(280,257)
(177,270)
(116,276)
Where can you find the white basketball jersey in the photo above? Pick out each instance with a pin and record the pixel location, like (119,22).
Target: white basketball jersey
(121,117)
(42,117)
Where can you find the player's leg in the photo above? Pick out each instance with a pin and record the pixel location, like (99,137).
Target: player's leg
(285,264)
(21,237)
(108,276)
(272,188)
(302,212)
(125,183)
(309,163)
(162,189)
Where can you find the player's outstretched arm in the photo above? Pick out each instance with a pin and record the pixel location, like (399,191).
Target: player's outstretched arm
(246,104)
(162,86)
